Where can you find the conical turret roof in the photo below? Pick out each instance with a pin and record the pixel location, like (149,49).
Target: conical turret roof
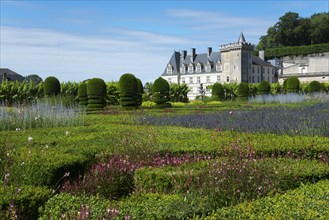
(241,38)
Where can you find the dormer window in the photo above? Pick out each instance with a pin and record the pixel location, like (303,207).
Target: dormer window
(190,68)
(169,69)
(183,68)
(208,67)
(218,67)
(198,68)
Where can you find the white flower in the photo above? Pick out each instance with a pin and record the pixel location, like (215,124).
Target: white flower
(67,133)
(35,118)
(46,146)
(18,129)
(29,139)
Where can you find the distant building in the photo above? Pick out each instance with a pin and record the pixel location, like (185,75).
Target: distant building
(306,68)
(7,74)
(234,63)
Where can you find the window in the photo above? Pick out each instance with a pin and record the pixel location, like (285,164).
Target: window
(198,79)
(237,54)
(208,68)
(218,67)
(182,68)
(190,68)
(183,80)
(249,66)
(228,79)
(169,69)
(253,79)
(219,79)
(191,79)
(169,80)
(258,69)
(208,78)
(198,68)
(253,69)
(258,79)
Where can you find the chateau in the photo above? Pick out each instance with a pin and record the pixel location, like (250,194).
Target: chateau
(234,63)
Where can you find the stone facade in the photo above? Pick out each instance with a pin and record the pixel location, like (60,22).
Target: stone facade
(234,63)
(306,68)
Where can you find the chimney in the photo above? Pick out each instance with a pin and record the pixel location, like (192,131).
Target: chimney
(261,54)
(193,54)
(209,51)
(183,54)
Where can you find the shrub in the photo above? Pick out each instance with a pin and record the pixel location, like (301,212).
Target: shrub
(96,91)
(66,206)
(22,201)
(307,202)
(159,206)
(177,104)
(140,91)
(314,86)
(160,91)
(217,92)
(52,86)
(82,94)
(293,84)
(214,103)
(148,104)
(128,90)
(264,87)
(243,91)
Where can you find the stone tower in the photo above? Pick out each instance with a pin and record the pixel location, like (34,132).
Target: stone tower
(236,61)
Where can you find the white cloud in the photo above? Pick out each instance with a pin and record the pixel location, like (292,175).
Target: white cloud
(73,57)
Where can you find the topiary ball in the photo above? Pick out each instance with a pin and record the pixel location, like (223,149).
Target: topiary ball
(217,91)
(264,87)
(128,90)
(293,84)
(314,86)
(96,92)
(160,91)
(52,86)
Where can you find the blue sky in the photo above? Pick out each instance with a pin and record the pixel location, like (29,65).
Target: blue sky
(77,40)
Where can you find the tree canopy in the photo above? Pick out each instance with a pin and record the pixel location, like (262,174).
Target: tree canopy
(293,30)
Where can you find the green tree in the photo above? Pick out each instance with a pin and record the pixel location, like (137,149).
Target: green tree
(52,86)
(160,92)
(217,92)
(128,90)
(33,78)
(319,30)
(178,92)
(112,95)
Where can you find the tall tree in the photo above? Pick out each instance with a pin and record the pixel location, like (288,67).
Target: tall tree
(319,28)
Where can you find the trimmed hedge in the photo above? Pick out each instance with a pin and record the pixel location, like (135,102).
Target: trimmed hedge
(82,94)
(96,91)
(217,92)
(307,202)
(296,51)
(160,91)
(264,87)
(293,84)
(314,86)
(128,90)
(172,179)
(52,86)
(74,207)
(25,201)
(243,91)
(140,91)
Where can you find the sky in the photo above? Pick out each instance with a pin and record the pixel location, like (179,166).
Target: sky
(78,40)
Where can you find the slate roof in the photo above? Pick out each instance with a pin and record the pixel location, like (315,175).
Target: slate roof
(11,75)
(202,58)
(258,61)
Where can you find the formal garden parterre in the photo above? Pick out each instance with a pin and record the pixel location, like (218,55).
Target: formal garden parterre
(214,158)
